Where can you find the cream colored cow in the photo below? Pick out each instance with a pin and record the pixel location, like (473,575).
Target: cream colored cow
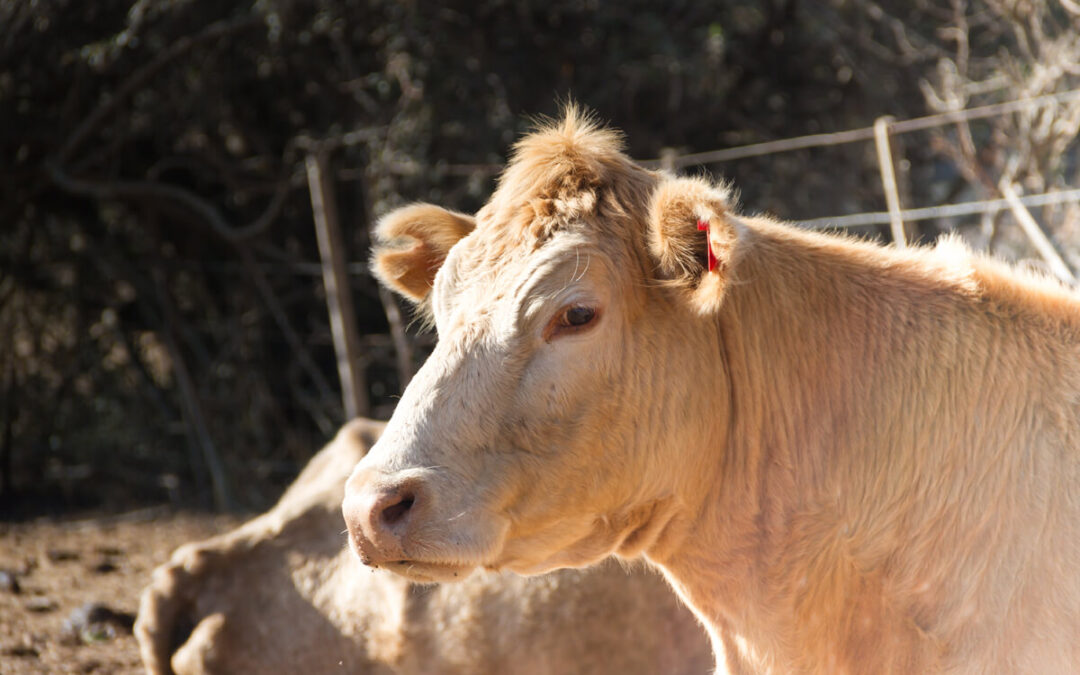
(845,458)
(282,595)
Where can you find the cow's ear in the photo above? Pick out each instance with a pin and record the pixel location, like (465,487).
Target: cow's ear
(692,237)
(411,244)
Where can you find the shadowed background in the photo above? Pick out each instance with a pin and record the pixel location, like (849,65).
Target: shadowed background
(164,333)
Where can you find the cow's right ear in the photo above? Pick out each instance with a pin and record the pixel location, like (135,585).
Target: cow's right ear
(411,244)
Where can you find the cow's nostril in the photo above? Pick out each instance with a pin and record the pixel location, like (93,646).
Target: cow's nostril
(395,513)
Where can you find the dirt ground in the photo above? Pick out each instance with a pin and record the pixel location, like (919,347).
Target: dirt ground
(59,567)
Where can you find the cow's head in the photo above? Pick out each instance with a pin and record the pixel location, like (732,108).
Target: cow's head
(576,315)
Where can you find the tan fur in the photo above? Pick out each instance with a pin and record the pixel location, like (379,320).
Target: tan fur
(845,458)
(677,206)
(428,232)
(280,595)
(561,174)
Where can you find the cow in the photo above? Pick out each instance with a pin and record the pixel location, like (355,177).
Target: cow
(844,457)
(282,594)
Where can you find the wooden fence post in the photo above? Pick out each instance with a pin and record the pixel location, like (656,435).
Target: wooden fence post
(336,281)
(1038,238)
(888,179)
(667,159)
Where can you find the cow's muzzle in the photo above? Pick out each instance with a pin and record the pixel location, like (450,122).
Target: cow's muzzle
(379,516)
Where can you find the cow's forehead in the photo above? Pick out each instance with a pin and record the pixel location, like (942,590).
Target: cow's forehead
(568,194)
(478,279)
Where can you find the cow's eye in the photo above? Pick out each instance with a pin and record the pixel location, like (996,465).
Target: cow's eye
(570,319)
(578,316)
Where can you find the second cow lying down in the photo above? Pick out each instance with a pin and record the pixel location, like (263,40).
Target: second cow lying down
(282,595)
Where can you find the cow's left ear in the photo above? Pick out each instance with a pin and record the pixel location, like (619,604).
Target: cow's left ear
(692,238)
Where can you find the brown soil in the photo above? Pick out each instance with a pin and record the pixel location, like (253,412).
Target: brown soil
(61,566)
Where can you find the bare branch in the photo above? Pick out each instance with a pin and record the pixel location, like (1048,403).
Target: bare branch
(192,406)
(7,433)
(403,352)
(140,77)
(1038,238)
(269,298)
(191,202)
(146,191)
(267,218)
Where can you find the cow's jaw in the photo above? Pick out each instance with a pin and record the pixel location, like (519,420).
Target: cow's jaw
(428,573)
(626,532)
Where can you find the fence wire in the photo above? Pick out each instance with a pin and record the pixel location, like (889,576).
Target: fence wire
(855,135)
(943,211)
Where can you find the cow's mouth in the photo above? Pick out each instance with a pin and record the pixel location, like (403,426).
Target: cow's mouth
(428,572)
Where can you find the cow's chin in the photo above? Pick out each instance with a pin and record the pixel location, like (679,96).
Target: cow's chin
(429,572)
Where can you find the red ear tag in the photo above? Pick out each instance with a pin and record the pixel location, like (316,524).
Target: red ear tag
(703,226)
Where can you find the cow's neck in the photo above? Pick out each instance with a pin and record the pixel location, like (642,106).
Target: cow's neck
(802,333)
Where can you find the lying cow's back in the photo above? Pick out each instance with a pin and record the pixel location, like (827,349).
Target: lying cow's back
(281,594)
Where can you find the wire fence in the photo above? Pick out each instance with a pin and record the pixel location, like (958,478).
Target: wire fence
(881,132)
(673,161)
(944,211)
(676,161)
